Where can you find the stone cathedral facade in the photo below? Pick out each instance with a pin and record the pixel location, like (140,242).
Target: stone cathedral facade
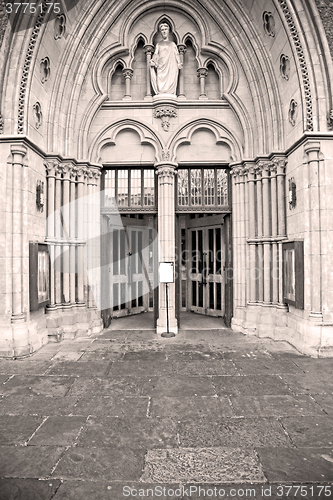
(228,181)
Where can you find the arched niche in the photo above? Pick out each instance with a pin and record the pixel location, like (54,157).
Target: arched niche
(204,147)
(127,147)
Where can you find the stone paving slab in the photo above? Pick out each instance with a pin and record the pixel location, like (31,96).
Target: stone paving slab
(112,406)
(204,367)
(232,433)
(17,429)
(129,433)
(316,382)
(88,369)
(255,385)
(122,386)
(28,461)
(3,379)
(24,367)
(58,430)
(37,405)
(210,407)
(35,385)
(202,465)
(141,368)
(325,401)
(28,489)
(101,463)
(266,366)
(299,465)
(109,490)
(309,430)
(278,406)
(183,386)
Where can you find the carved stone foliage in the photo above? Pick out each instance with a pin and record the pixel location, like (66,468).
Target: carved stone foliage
(269,23)
(165,113)
(45,69)
(292,113)
(302,63)
(330,120)
(1,124)
(28,58)
(285,66)
(38,114)
(59,26)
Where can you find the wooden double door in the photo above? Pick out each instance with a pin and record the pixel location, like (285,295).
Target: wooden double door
(204,255)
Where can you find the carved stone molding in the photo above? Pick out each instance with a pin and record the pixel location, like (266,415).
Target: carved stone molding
(285,66)
(269,23)
(165,154)
(26,66)
(302,63)
(59,26)
(165,113)
(45,69)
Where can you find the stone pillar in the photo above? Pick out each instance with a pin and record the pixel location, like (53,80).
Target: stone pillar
(252,234)
(127,73)
(280,180)
(312,151)
(265,166)
(275,260)
(182,52)
(58,237)
(259,236)
(242,237)
(80,261)
(72,236)
(166,238)
(148,50)
(235,231)
(18,152)
(66,233)
(90,209)
(51,167)
(202,74)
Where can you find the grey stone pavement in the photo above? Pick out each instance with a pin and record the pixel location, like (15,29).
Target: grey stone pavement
(208,414)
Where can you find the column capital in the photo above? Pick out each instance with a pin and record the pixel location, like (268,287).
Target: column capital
(81,173)
(181,48)
(19,150)
(278,165)
(51,167)
(66,171)
(148,49)
(166,170)
(128,73)
(202,72)
(312,148)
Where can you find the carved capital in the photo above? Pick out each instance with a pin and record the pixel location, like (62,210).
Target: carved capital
(166,172)
(165,113)
(127,73)
(202,72)
(182,49)
(149,49)
(51,167)
(81,173)
(278,165)
(66,171)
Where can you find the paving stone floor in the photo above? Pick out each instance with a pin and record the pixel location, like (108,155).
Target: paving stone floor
(208,414)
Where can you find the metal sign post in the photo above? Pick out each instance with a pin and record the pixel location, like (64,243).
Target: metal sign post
(166,275)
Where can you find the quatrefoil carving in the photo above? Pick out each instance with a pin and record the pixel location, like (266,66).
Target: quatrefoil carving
(285,66)
(45,69)
(292,112)
(269,23)
(38,114)
(59,26)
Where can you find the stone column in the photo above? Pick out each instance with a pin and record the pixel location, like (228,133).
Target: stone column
(235,231)
(66,234)
(312,151)
(51,167)
(148,50)
(252,234)
(265,179)
(280,180)
(202,74)
(259,236)
(127,73)
(90,209)
(242,237)
(182,52)
(58,237)
(72,235)
(275,260)
(81,179)
(166,238)
(18,152)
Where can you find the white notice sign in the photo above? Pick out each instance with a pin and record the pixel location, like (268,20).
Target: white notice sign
(166,272)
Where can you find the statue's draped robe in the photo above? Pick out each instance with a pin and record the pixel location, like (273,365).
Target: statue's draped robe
(164,79)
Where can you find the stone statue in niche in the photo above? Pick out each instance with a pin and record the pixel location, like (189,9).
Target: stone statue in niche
(165,64)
